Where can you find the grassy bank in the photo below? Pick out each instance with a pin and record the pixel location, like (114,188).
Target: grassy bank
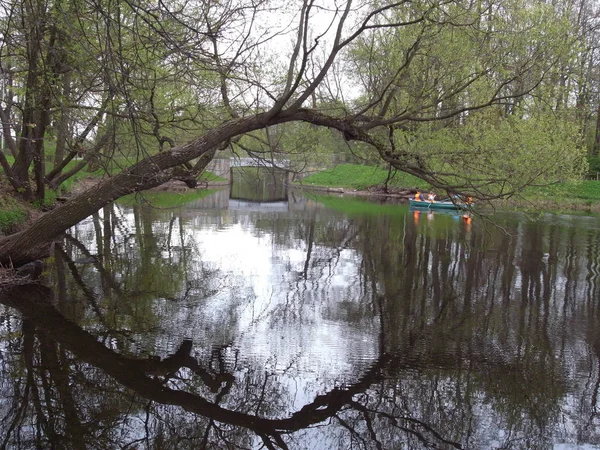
(580,195)
(12,214)
(164,199)
(353,176)
(114,166)
(568,196)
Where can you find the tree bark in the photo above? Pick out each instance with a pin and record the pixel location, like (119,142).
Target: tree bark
(63,123)
(32,243)
(596,148)
(152,171)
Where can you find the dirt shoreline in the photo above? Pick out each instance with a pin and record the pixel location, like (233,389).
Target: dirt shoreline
(405,193)
(178,186)
(514,204)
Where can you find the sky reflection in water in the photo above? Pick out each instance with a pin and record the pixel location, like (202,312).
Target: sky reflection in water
(311,326)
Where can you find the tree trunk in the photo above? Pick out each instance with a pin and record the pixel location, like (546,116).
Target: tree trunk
(596,148)
(31,243)
(63,123)
(35,14)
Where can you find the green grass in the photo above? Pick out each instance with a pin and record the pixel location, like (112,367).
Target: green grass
(582,190)
(48,201)
(10,218)
(353,176)
(209,176)
(567,196)
(11,214)
(164,199)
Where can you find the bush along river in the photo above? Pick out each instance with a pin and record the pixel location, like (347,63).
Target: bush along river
(283,320)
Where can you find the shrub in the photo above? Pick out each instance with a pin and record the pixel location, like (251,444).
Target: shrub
(594,164)
(11,217)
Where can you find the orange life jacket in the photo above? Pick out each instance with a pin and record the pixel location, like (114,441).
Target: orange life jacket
(418,196)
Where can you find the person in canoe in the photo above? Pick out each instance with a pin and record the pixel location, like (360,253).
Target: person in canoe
(418,196)
(463,199)
(431,197)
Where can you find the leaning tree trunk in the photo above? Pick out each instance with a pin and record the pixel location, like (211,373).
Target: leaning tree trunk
(32,243)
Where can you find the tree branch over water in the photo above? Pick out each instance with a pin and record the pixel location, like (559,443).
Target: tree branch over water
(207,81)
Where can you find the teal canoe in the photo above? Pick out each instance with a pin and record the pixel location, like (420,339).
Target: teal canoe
(424,204)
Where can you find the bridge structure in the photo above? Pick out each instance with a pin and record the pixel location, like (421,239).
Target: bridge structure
(252,162)
(222,166)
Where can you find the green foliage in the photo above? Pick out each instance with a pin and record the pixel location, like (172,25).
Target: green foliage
(435,66)
(496,154)
(362,177)
(428,74)
(152,100)
(594,164)
(433,72)
(11,214)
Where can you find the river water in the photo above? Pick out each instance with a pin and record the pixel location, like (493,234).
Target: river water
(285,320)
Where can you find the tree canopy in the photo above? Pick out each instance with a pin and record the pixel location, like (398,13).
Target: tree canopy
(480,98)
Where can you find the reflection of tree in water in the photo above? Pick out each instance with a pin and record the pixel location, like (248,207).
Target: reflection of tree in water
(261,184)
(477,351)
(127,260)
(89,394)
(498,318)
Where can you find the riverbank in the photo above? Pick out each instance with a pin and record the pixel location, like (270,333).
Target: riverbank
(374,191)
(13,212)
(358,178)
(16,214)
(583,196)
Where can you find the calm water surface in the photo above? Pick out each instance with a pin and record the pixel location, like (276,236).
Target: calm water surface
(306,322)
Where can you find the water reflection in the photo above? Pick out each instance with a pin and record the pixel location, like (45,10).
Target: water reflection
(420,215)
(310,328)
(259,184)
